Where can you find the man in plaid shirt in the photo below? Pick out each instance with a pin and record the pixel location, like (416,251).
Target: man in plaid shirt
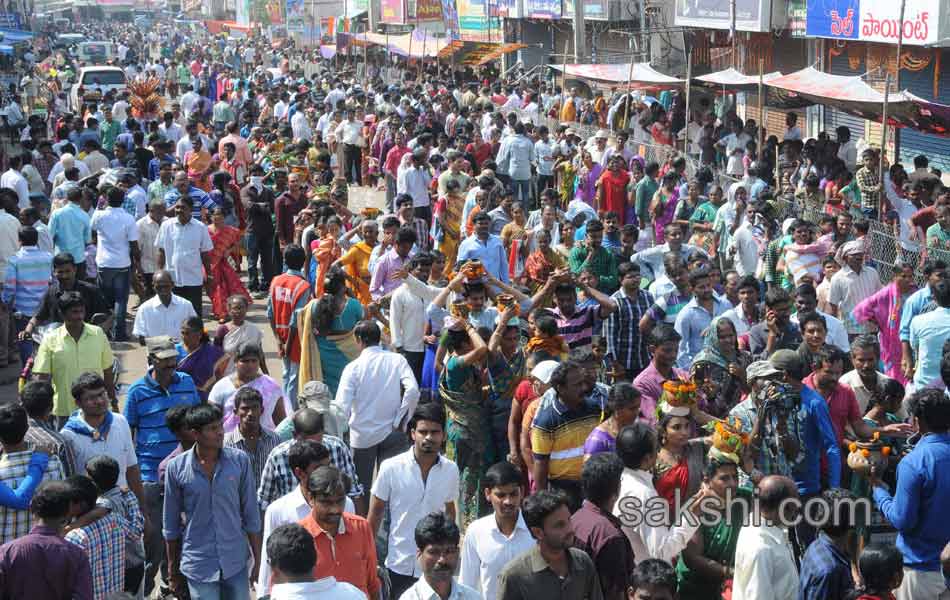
(278,479)
(102,538)
(626,347)
(869,182)
(14,466)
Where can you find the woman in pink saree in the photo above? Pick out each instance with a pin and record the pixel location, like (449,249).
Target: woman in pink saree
(884,310)
(663,205)
(226,281)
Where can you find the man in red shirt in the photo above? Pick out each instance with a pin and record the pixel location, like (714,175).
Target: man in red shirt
(289,292)
(391,166)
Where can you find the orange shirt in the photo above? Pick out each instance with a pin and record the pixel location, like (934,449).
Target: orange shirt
(348,556)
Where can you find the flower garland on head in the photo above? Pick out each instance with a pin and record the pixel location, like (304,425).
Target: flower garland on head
(728,439)
(677,399)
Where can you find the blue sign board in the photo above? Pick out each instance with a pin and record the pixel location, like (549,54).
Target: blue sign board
(833,19)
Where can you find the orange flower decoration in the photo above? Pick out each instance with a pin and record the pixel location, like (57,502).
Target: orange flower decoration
(853,447)
(866,453)
(886,450)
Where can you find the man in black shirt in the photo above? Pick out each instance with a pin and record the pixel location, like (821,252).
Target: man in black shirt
(97,311)
(258,202)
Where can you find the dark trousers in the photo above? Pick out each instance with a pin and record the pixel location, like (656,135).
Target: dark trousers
(114,285)
(366,460)
(415,360)
(133,578)
(423,212)
(154,543)
(398,584)
(81,270)
(260,249)
(352,167)
(191,293)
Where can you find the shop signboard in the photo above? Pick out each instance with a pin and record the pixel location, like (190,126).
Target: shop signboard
(876,20)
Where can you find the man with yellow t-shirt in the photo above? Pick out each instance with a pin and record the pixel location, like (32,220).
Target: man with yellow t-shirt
(565,417)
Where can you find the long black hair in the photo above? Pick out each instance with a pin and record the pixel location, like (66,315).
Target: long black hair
(334,284)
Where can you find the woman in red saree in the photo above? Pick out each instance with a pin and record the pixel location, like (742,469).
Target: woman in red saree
(612,188)
(226,281)
(325,252)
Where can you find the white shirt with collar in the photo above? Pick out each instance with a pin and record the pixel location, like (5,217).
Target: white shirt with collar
(327,588)
(117,443)
(647,540)
(148,231)
(290,508)
(765,567)
(115,230)
(183,246)
(421,590)
(154,318)
(301,126)
(407,314)
(486,551)
(348,132)
(370,395)
(399,483)
(9,238)
(13,180)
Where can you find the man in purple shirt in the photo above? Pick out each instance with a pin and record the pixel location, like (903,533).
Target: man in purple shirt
(383,282)
(42,564)
(664,346)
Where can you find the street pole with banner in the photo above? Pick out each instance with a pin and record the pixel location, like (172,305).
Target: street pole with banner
(689,78)
(761,136)
(887,90)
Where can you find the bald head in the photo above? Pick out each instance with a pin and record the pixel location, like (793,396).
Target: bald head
(774,492)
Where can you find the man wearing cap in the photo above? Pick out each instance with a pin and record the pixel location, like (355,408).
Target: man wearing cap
(149,398)
(597,146)
(818,438)
(850,285)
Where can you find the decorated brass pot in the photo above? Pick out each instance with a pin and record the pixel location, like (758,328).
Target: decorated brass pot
(865,455)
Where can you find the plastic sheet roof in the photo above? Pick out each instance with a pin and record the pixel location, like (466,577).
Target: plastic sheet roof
(643,74)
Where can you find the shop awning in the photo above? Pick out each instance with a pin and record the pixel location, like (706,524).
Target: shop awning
(417,44)
(733,80)
(643,75)
(854,96)
(478,53)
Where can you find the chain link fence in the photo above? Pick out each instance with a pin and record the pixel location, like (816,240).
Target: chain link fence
(885,250)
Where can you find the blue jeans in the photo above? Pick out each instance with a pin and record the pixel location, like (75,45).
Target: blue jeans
(291,370)
(236,587)
(114,285)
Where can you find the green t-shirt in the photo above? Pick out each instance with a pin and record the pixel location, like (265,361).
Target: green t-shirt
(704,213)
(938,237)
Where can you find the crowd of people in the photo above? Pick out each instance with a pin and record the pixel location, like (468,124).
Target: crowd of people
(527,374)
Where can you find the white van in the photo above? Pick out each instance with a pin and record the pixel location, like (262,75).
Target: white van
(96,53)
(96,82)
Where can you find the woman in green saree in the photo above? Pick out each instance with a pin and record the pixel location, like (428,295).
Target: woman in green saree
(506,369)
(705,568)
(467,425)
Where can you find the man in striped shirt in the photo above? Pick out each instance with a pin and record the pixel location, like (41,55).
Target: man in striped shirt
(575,324)
(564,420)
(249,435)
(25,282)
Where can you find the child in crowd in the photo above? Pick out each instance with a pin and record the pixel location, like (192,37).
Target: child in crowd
(652,579)
(882,570)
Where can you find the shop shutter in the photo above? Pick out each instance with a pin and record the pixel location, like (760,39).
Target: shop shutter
(835,118)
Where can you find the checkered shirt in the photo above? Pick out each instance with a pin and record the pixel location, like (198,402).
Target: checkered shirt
(278,479)
(104,543)
(13,468)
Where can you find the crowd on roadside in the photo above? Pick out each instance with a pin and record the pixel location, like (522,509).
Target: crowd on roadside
(486,385)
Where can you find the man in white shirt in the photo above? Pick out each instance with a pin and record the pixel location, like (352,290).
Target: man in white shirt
(494,540)
(806,301)
(765,566)
(188,102)
(369,398)
(415,182)
(293,558)
(12,179)
(437,542)
(169,128)
(183,247)
(304,457)
(407,316)
(349,133)
(186,143)
(117,255)
(413,484)
(162,314)
(299,123)
(94,430)
(148,227)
